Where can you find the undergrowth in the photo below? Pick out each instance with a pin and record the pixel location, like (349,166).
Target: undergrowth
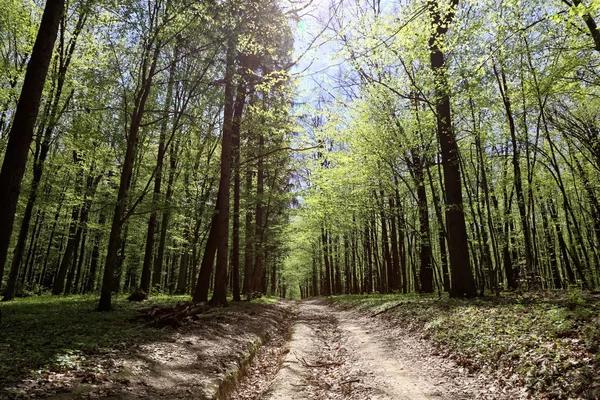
(548,342)
(57,333)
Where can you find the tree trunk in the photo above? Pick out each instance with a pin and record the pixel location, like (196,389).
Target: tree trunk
(218,236)
(151,232)
(501,78)
(35,233)
(259,219)
(247,288)
(395,278)
(426,269)
(114,240)
(463,284)
(441,234)
(21,133)
(385,245)
(50,239)
(236,149)
(325,242)
(368,285)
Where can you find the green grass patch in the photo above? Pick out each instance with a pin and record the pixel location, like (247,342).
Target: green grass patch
(548,342)
(266,300)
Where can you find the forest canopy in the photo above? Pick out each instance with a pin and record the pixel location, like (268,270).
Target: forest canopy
(236,149)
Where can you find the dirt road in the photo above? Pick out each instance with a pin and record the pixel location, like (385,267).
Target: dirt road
(335,354)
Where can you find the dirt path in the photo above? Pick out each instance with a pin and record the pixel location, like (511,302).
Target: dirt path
(338,354)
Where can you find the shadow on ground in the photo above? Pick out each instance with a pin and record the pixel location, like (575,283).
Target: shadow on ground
(61,347)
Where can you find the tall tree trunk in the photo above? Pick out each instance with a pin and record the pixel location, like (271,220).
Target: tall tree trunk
(51,117)
(401,236)
(78,277)
(236,149)
(248,234)
(50,239)
(507,259)
(315,273)
(114,240)
(35,233)
(21,133)
(259,218)
(151,232)
(387,255)
(219,230)
(441,233)
(338,268)
(561,243)
(375,250)
(552,259)
(503,87)
(395,277)
(73,238)
(90,285)
(463,283)
(235,237)
(157,274)
(325,242)
(368,275)
(227,153)
(426,269)
(482,181)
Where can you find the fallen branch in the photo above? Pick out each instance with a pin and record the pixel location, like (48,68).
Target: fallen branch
(387,309)
(174,316)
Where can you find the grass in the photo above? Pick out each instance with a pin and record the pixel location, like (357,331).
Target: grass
(52,333)
(46,333)
(548,342)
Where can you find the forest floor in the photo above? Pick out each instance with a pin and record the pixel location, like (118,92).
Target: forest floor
(541,345)
(60,348)
(375,347)
(346,354)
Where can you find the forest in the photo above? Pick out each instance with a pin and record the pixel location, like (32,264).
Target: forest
(264,174)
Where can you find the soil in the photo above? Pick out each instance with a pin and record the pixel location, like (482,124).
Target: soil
(341,354)
(199,360)
(250,353)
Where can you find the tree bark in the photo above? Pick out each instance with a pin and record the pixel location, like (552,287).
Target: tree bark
(502,85)
(463,284)
(151,232)
(259,219)
(114,240)
(395,278)
(248,234)
(426,269)
(236,149)
(218,236)
(21,133)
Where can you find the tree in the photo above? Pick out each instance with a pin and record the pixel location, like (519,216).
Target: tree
(21,133)
(463,283)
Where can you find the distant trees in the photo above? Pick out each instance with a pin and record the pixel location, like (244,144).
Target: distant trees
(455,149)
(126,151)
(476,130)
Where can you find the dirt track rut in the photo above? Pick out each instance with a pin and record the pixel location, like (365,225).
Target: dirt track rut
(337,354)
